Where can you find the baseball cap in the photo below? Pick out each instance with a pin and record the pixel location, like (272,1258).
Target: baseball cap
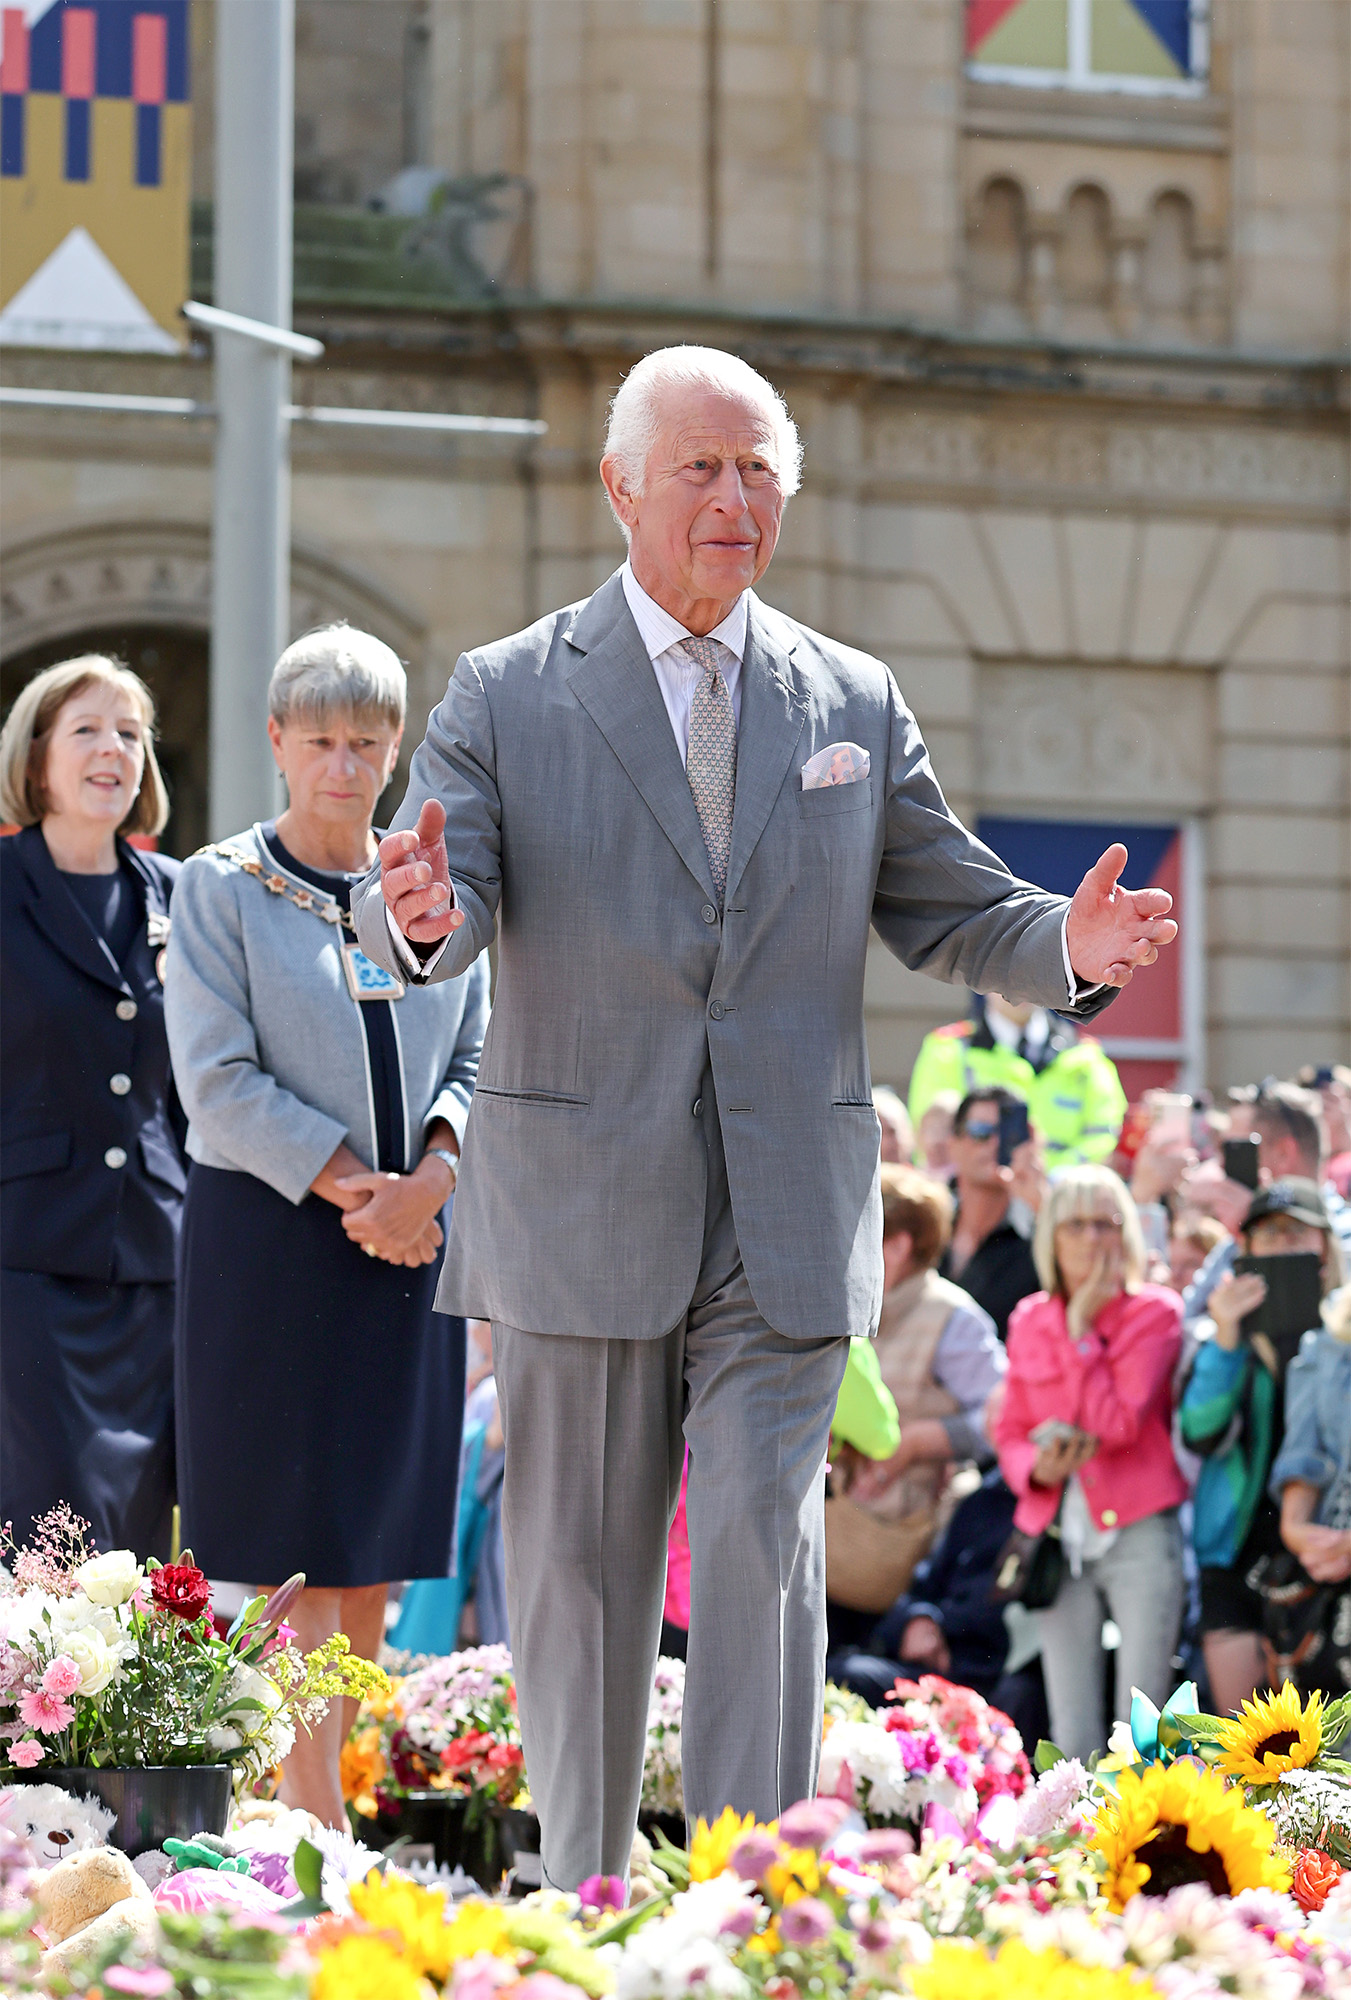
(1299,1199)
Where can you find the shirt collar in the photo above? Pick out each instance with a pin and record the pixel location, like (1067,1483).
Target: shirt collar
(659,631)
(1031,1036)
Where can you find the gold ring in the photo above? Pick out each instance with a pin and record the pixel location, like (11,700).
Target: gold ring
(369,1248)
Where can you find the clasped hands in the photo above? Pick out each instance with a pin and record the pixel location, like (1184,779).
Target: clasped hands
(393,1216)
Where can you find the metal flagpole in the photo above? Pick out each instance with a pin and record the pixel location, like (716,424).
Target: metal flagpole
(251,532)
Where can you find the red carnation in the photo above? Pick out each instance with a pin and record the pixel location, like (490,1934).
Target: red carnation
(181,1588)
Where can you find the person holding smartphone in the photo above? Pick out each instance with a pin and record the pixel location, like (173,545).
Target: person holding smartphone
(1084,1440)
(1233,1415)
(1311,1482)
(999,1186)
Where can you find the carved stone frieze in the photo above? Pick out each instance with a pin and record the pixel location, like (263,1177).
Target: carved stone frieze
(1165,463)
(1123,737)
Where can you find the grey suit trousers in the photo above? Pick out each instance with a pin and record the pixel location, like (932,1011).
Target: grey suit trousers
(595,1433)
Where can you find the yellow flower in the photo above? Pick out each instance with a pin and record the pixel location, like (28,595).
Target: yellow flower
(797,1873)
(400,1908)
(767,1941)
(378,1706)
(367,1968)
(963,1972)
(478,1926)
(1271,1736)
(1174,1823)
(711,1848)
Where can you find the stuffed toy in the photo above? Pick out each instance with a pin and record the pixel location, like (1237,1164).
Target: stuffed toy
(53,1823)
(87,1901)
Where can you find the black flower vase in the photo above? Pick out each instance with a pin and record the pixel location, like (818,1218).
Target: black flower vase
(153,1802)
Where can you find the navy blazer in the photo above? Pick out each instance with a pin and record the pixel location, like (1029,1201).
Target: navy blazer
(91,1163)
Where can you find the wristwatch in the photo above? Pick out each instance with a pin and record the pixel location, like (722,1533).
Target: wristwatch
(452,1160)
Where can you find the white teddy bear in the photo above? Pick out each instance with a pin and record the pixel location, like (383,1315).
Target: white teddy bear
(53,1823)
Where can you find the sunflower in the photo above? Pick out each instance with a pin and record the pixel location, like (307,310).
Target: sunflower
(367,1968)
(1175,1823)
(1272,1735)
(412,1917)
(711,1847)
(964,1972)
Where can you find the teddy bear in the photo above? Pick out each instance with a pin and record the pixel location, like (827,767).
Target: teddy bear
(87,1901)
(54,1823)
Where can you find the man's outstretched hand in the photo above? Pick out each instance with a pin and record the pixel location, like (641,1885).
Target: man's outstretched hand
(415,878)
(1112,931)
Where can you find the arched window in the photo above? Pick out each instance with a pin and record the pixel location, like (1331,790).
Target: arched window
(997,247)
(1085,261)
(1168,276)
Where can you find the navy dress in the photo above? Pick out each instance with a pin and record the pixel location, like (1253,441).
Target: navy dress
(320,1398)
(93,1177)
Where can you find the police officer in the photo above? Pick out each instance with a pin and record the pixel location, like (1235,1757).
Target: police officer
(93,1172)
(1074,1096)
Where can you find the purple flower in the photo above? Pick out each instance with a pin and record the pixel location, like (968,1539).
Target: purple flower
(806,1922)
(884,1845)
(812,1822)
(740,1922)
(957,1768)
(753,1857)
(602,1892)
(876,1935)
(274,1872)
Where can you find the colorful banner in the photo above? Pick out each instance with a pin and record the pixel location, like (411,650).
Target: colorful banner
(95,174)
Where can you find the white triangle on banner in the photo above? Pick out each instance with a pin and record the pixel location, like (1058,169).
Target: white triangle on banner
(79,299)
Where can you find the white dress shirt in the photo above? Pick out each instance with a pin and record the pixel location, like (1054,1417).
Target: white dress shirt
(677,678)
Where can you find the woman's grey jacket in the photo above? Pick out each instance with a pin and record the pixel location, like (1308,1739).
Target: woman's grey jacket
(270,1051)
(1317,1445)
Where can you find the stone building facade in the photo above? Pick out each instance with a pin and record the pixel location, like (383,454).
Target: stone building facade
(1069,359)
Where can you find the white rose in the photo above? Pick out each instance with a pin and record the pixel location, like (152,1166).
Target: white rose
(93,1656)
(110,1579)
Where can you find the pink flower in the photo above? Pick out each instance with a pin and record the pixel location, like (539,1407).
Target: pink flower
(812,1822)
(753,1856)
(62,1676)
(24,1755)
(602,1892)
(884,1845)
(806,1922)
(44,1711)
(152,1979)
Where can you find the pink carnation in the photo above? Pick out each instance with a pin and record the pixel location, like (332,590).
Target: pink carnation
(62,1676)
(45,1711)
(24,1755)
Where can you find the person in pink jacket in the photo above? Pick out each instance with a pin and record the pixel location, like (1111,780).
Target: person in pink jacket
(1084,1437)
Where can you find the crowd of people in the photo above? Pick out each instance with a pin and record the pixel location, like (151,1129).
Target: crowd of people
(1065,1344)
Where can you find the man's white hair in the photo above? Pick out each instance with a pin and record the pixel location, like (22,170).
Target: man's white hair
(635,413)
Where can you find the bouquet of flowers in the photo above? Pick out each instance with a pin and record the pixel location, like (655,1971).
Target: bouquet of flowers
(450,1726)
(107,1662)
(663,1790)
(935,1748)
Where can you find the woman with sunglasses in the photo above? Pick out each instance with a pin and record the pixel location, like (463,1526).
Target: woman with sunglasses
(1084,1440)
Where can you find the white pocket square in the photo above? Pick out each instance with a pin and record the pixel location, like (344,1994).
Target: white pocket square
(837,764)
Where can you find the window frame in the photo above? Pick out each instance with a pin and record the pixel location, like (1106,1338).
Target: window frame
(1078,74)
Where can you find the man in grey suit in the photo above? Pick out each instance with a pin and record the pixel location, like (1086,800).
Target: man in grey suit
(669,1201)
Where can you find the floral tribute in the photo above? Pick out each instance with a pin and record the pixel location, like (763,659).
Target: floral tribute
(450,1726)
(936,1748)
(106,1662)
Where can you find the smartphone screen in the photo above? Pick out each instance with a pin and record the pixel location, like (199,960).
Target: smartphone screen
(1014,1131)
(1294,1297)
(1172,1124)
(1240,1161)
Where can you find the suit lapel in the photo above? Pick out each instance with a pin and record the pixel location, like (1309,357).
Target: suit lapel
(772,716)
(58,915)
(617,687)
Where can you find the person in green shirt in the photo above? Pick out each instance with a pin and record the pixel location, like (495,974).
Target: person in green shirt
(866,1416)
(1073,1093)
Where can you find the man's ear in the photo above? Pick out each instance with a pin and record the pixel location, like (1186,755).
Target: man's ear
(622,498)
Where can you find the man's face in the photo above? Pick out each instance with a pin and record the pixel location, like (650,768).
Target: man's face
(975,1148)
(705,524)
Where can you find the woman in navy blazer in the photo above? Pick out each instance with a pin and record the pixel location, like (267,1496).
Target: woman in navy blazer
(91,1162)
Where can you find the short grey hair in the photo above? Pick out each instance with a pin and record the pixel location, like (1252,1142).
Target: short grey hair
(635,411)
(1082,1191)
(337,670)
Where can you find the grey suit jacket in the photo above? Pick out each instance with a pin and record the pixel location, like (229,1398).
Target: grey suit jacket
(570,826)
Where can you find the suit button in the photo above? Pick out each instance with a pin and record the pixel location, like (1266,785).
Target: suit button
(115,1157)
(709,914)
(698,1107)
(126,1010)
(1109,1517)
(119,1083)
(716,1011)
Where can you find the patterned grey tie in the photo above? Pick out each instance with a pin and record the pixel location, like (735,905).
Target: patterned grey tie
(710,761)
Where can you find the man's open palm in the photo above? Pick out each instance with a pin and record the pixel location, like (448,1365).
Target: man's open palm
(1112,931)
(415,878)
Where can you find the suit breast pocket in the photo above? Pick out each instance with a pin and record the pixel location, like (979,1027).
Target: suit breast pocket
(833,801)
